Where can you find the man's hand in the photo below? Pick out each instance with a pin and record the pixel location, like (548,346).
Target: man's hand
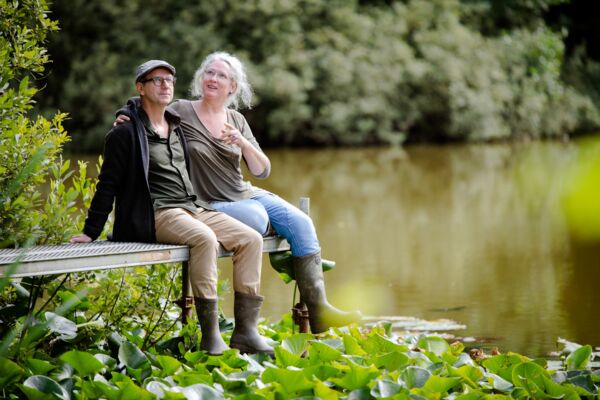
(81,238)
(121,119)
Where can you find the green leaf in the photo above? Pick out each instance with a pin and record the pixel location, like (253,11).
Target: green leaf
(390,361)
(106,360)
(201,391)
(130,391)
(377,344)
(352,347)
(65,328)
(297,343)
(385,389)
(321,352)
(497,383)
(321,372)
(97,389)
(414,377)
(282,263)
(39,367)
(9,372)
(434,344)
(439,384)
(582,383)
(132,356)
(285,358)
(503,365)
(470,374)
(324,392)
(40,387)
(228,382)
(357,377)
(536,381)
(579,359)
(291,381)
(168,364)
(188,378)
(84,363)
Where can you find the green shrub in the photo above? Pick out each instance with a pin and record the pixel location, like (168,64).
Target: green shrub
(29,145)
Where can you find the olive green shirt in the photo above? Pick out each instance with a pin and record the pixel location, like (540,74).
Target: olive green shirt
(215,166)
(170,185)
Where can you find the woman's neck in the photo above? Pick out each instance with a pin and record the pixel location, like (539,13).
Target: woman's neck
(206,107)
(212,116)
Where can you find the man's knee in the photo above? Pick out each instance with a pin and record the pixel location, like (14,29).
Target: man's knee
(203,237)
(250,237)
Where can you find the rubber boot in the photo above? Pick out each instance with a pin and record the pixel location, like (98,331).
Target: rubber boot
(208,316)
(245,336)
(322,315)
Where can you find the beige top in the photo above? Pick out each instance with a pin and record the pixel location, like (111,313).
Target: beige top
(215,167)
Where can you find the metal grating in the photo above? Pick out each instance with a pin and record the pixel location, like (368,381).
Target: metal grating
(59,259)
(66,251)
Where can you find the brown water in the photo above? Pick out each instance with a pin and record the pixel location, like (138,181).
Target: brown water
(472,233)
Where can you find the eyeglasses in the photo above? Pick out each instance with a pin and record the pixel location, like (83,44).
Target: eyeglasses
(158,80)
(220,76)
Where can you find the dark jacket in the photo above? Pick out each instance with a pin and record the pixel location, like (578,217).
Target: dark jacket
(123,180)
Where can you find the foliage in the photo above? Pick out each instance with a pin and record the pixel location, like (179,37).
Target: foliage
(494,16)
(333,73)
(30,146)
(343,363)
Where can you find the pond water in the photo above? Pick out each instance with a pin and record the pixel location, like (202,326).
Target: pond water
(472,233)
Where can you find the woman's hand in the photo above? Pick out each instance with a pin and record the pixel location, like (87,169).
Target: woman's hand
(231,135)
(258,163)
(121,119)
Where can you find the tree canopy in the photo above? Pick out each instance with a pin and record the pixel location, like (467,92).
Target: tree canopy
(338,72)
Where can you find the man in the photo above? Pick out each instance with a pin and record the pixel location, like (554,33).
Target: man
(145,174)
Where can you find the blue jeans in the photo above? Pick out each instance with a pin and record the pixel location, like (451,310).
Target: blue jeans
(287,220)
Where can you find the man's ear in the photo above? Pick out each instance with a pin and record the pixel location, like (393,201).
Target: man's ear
(139,86)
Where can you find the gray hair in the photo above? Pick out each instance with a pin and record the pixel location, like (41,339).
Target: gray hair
(241,96)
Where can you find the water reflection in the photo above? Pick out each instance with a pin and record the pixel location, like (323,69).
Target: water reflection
(468,229)
(469,233)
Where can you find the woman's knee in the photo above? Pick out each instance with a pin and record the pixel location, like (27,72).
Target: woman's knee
(301,222)
(258,220)
(254,215)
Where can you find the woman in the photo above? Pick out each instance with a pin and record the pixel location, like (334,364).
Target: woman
(218,139)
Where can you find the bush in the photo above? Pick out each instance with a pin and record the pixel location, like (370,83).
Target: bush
(28,147)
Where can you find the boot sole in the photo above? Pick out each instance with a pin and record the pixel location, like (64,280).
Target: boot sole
(250,350)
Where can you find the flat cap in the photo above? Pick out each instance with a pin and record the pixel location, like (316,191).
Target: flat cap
(148,66)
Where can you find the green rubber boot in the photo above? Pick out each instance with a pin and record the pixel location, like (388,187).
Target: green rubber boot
(308,272)
(245,335)
(208,316)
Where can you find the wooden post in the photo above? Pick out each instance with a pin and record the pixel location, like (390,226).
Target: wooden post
(187,299)
(304,205)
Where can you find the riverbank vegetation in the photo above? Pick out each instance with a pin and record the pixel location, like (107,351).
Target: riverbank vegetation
(343,72)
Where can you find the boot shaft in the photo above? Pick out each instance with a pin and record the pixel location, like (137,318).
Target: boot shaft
(208,317)
(246,310)
(245,335)
(309,276)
